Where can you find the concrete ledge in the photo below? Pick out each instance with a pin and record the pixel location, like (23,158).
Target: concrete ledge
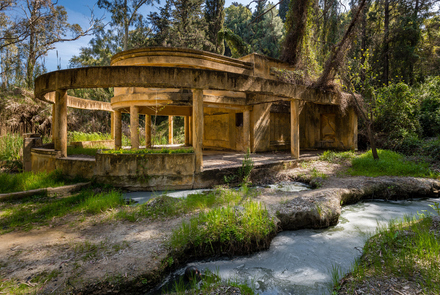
(62,191)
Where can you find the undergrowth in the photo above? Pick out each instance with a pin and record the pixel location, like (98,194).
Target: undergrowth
(73,136)
(30,180)
(404,249)
(11,150)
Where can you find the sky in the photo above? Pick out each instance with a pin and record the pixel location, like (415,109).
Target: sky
(79,12)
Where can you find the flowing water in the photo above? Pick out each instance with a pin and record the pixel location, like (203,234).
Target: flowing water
(301,262)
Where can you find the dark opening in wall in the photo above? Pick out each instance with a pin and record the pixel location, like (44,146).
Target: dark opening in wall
(238,119)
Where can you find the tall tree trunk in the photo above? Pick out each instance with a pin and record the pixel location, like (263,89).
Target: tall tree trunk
(364,40)
(386,62)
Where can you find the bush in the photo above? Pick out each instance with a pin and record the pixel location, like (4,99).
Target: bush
(397,112)
(429,94)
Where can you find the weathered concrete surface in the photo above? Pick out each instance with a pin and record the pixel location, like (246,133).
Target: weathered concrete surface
(322,207)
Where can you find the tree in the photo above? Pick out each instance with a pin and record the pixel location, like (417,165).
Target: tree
(47,24)
(215,17)
(124,13)
(161,24)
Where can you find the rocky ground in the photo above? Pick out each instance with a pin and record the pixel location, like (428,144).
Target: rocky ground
(98,255)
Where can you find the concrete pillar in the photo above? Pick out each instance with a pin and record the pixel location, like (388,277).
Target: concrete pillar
(134,127)
(294,128)
(54,124)
(148,130)
(118,129)
(197,119)
(246,130)
(190,130)
(170,129)
(61,122)
(187,133)
(112,124)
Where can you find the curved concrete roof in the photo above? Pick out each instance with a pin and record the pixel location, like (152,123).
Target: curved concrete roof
(175,77)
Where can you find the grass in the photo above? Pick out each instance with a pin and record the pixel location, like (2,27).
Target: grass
(74,136)
(389,164)
(11,150)
(405,249)
(40,210)
(225,230)
(73,150)
(29,181)
(11,286)
(150,151)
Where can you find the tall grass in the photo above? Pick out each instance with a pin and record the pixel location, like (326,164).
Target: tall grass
(405,249)
(29,181)
(390,163)
(39,210)
(11,151)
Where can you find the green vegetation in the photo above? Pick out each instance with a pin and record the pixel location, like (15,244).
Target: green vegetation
(10,286)
(11,147)
(225,230)
(41,210)
(406,249)
(337,157)
(29,181)
(150,151)
(73,136)
(389,164)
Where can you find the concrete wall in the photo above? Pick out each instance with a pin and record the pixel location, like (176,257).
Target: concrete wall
(219,131)
(260,127)
(326,127)
(149,172)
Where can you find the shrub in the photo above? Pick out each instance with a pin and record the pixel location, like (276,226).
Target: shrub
(11,151)
(429,94)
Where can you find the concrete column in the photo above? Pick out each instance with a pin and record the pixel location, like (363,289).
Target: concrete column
(246,130)
(197,119)
(170,129)
(112,124)
(134,127)
(294,128)
(118,129)
(54,124)
(61,122)
(187,133)
(191,128)
(148,130)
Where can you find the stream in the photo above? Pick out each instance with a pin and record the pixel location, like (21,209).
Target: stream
(301,262)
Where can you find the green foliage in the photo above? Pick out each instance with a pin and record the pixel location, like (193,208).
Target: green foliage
(402,249)
(224,230)
(150,151)
(11,149)
(429,95)
(397,111)
(414,146)
(40,210)
(29,181)
(389,164)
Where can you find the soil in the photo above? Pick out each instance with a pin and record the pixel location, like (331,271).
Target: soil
(97,255)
